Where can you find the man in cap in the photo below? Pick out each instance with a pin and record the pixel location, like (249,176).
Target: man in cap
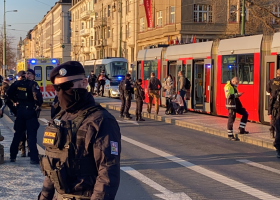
(27,97)
(30,74)
(82,158)
(91,80)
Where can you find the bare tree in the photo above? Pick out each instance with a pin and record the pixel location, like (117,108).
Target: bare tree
(10,52)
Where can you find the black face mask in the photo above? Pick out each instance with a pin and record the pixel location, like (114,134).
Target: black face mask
(70,99)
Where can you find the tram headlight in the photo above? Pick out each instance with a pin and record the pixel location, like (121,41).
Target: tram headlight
(54,61)
(33,61)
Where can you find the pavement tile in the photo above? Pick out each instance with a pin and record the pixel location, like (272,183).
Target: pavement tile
(259,133)
(19,180)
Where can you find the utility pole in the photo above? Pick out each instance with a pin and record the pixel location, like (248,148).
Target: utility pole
(243,18)
(4,42)
(120,10)
(102,47)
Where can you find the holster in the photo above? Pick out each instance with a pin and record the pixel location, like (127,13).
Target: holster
(38,111)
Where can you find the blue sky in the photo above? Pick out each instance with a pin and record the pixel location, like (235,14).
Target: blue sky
(30,12)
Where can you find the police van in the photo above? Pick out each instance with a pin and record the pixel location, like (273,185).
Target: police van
(42,68)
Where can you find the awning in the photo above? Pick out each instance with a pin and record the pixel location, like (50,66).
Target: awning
(241,45)
(197,50)
(275,47)
(149,54)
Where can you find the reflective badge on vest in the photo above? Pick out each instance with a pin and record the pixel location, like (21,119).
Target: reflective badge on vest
(50,134)
(21,89)
(49,138)
(48,141)
(114,148)
(276,83)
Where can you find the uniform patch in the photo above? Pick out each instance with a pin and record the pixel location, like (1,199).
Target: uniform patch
(50,134)
(48,141)
(62,72)
(114,148)
(37,87)
(21,89)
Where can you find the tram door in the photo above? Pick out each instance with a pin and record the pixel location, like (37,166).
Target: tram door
(199,78)
(162,78)
(207,85)
(189,71)
(136,71)
(173,71)
(270,73)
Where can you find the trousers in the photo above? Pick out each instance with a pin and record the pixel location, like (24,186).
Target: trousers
(139,107)
(127,99)
(122,104)
(274,118)
(154,94)
(183,94)
(26,121)
(102,88)
(92,89)
(23,142)
(232,115)
(276,142)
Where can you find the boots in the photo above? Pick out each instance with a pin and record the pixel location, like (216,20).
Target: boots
(242,131)
(140,118)
(127,117)
(232,138)
(272,134)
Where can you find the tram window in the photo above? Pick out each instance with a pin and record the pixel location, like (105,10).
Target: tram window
(189,71)
(149,67)
(118,68)
(38,73)
(228,72)
(48,71)
(245,69)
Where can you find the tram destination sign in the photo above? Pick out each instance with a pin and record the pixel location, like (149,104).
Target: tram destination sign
(229,59)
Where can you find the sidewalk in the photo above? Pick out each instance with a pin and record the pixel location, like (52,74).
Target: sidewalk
(259,133)
(18,180)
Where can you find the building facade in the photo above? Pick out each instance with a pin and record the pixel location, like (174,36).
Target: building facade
(103,28)
(50,38)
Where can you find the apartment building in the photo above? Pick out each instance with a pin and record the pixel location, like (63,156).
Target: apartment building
(103,28)
(50,38)
(26,46)
(178,21)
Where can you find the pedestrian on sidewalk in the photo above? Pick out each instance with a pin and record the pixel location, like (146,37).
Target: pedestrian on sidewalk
(139,97)
(273,88)
(182,87)
(84,162)
(5,100)
(168,89)
(178,103)
(233,104)
(154,87)
(127,87)
(27,96)
(91,80)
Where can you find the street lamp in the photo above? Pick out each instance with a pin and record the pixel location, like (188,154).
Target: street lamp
(4,41)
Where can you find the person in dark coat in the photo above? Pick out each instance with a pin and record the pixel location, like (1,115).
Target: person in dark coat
(91,81)
(139,98)
(86,157)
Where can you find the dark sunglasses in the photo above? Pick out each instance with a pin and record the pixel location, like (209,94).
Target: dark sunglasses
(65,86)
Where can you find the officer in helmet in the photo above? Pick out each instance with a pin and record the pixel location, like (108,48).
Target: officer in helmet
(27,97)
(83,142)
(273,88)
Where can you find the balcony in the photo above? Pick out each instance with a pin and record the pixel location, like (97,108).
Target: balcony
(104,20)
(86,50)
(85,15)
(84,32)
(98,43)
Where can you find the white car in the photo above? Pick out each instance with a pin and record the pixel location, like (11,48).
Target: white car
(111,88)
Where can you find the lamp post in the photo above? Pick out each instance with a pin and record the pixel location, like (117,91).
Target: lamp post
(120,11)
(4,41)
(243,19)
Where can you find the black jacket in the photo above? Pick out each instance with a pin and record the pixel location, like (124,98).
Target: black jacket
(139,92)
(3,90)
(154,84)
(272,86)
(92,79)
(100,140)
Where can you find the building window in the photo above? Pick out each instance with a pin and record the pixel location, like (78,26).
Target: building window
(105,33)
(91,41)
(91,22)
(159,18)
(105,13)
(142,24)
(83,26)
(276,11)
(95,1)
(202,13)
(127,31)
(127,6)
(83,43)
(109,32)
(109,10)
(96,15)
(172,15)
(233,13)
(241,66)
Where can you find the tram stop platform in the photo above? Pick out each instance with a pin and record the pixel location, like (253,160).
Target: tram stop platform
(259,133)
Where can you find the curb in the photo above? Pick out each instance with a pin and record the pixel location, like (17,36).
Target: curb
(242,138)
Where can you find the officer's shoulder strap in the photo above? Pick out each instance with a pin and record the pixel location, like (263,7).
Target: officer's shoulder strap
(84,114)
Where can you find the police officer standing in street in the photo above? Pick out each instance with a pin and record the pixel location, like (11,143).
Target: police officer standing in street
(127,87)
(233,104)
(83,142)
(101,81)
(139,97)
(122,97)
(91,81)
(273,88)
(27,96)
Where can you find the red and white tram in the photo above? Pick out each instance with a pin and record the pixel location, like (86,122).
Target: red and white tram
(209,65)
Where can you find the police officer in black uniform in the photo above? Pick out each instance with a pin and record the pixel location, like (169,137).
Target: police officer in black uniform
(83,142)
(127,87)
(27,96)
(139,98)
(273,87)
(122,97)
(91,81)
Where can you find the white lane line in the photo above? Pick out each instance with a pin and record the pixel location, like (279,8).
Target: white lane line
(165,193)
(213,175)
(259,166)
(44,120)
(128,121)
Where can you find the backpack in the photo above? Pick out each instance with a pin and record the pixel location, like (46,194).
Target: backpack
(188,84)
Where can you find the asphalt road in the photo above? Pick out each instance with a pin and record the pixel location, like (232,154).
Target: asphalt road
(163,161)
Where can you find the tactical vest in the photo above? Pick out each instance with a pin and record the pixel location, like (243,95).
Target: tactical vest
(62,140)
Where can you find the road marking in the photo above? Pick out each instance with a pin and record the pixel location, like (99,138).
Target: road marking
(128,121)
(213,175)
(44,120)
(165,193)
(248,162)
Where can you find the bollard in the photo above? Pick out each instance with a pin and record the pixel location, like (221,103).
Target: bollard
(1,150)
